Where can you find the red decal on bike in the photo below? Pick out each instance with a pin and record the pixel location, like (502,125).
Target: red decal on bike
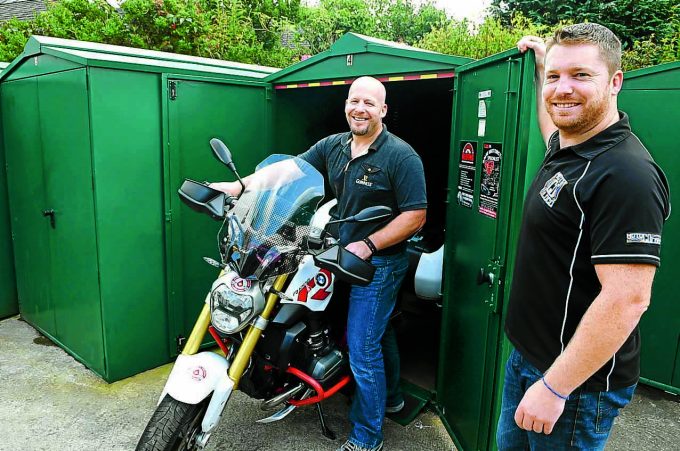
(198,373)
(240,285)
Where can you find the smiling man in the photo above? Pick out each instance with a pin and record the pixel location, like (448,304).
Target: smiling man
(588,250)
(370,166)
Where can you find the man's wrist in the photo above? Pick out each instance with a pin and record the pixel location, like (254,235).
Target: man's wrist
(371,246)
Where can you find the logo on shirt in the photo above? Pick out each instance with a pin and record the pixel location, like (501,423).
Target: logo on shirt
(364,181)
(552,189)
(643,238)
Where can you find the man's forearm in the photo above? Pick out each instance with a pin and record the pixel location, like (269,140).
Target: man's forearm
(399,229)
(600,334)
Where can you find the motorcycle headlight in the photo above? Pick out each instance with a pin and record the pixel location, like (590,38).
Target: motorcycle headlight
(233,303)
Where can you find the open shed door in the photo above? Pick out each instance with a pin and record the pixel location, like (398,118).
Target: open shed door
(486,181)
(197,110)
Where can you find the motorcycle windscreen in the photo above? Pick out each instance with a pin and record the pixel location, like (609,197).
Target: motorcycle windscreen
(263,234)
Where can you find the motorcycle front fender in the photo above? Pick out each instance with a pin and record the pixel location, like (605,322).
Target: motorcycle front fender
(195,377)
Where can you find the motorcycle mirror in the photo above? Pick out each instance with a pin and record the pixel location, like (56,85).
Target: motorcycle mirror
(375,213)
(222,153)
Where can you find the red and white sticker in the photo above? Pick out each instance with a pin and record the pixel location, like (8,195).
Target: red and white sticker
(240,285)
(198,373)
(316,287)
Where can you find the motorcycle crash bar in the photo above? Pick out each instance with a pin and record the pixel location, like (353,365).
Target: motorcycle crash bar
(321,393)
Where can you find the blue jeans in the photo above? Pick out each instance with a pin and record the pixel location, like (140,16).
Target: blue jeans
(368,336)
(585,423)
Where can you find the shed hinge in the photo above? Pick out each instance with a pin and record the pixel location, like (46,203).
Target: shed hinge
(172,88)
(181,340)
(168,216)
(268,93)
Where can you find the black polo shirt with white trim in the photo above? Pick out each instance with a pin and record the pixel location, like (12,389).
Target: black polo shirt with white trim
(602,201)
(390,173)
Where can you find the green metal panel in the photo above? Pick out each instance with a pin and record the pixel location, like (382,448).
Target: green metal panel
(663,76)
(127,162)
(654,118)
(74,275)
(37,65)
(470,370)
(237,114)
(370,56)
(8,291)
(21,126)
(363,64)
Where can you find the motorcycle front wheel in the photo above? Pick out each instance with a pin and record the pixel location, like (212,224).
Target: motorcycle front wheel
(173,426)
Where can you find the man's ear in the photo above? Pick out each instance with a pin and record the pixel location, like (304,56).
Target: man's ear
(383,111)
(617,82)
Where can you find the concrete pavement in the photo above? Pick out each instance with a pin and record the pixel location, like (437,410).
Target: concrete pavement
(49,401)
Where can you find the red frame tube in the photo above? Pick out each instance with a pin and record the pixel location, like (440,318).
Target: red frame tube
(218,340)
(321,393)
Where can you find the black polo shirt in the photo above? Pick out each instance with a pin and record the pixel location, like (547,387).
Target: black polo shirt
(390,173)
(600,202)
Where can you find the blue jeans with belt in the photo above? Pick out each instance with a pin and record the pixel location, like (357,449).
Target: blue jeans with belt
(585,423)
(373,353)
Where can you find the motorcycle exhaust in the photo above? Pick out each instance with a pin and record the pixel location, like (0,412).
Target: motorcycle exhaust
(279,399)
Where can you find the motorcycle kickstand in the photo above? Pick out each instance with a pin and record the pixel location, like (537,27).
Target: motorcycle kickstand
(325,430)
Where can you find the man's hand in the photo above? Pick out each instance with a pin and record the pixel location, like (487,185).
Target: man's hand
(360,249)
(537,45)
(231,188)
(539,409)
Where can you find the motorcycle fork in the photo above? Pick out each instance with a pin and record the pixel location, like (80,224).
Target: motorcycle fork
(198,332)
(200,328)
(240,362)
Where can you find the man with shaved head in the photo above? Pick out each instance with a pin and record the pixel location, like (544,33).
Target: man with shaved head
(370,166)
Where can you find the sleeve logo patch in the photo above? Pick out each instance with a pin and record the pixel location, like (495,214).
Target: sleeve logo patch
(643,238)
(552,189)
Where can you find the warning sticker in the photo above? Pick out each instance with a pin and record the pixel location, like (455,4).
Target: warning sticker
(490,181)
(466,175)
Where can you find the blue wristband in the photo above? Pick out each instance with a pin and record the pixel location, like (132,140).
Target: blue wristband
(566,398)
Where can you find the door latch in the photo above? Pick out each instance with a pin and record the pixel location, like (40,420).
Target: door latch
(50,213)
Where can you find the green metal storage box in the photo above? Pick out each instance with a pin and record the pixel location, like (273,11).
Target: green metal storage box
(651,98)
(452,354)
(8,292)
(97,141)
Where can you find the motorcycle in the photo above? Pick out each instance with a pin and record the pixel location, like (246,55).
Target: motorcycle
(279,263)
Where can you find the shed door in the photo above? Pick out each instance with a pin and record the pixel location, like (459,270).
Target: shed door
(480,181)
(67,159)
(197,111)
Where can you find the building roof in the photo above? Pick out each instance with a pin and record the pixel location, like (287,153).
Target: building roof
(20,9)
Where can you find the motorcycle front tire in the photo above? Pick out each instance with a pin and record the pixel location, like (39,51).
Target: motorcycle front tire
(173,426)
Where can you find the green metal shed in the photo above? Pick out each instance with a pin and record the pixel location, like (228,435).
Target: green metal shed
(452,353)
(97,140)
(651,98)
(8,291)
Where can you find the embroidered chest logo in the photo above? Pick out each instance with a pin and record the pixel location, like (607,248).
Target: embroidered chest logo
(643,238)
(551,189)
(363,181)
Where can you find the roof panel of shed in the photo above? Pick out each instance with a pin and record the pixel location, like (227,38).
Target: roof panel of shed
(369,56)
(92,54)
(121,62)
(39,41)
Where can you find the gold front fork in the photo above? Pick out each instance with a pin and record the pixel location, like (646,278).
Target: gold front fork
(238,366)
